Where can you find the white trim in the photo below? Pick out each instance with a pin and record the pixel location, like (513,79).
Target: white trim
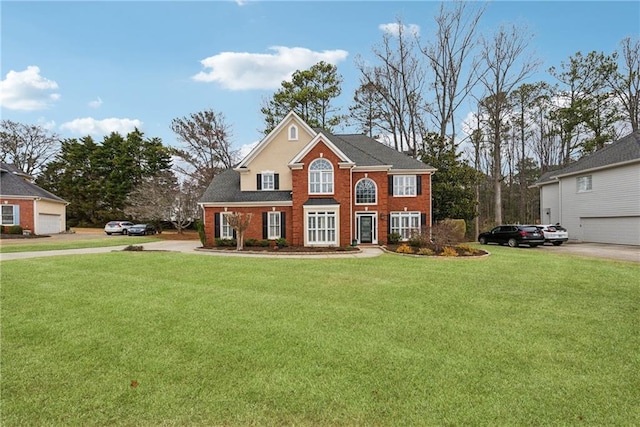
(242,204)
(355,191)
(320,137)
(267,139)
(330,209)
(278,223)
(374,225)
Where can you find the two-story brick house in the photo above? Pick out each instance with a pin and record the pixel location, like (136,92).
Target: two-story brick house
(314,188)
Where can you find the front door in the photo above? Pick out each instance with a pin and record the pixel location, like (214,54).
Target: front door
(365,229)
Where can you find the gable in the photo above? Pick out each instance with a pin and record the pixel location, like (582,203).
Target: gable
(12,185)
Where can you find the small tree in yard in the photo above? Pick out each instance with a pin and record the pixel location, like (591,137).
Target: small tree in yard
(239,222)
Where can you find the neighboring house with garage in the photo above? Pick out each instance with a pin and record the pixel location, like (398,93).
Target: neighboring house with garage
(597,198)
(25,204)
(314,188)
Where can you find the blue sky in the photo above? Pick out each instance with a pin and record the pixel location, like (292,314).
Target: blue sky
(83,68)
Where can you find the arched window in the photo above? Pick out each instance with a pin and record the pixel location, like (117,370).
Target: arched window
(320,177)
(366,192)
(293,133)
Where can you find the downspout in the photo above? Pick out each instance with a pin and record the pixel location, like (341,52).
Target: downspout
(351,218)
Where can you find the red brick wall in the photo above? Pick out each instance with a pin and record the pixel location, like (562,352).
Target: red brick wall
(255,227)
(341,188)
(26,212)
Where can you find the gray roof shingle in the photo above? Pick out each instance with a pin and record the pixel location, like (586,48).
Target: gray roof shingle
(12,183)
(225,187)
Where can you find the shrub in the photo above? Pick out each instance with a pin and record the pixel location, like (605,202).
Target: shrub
(449,251)
(419,239)
(394,238)
(13,229)
(133,248)
(282,243)
(445,233)
(404,249)
(251,242)
(201,233)
(426,252)
(263,243)
(465,249)
(226,242)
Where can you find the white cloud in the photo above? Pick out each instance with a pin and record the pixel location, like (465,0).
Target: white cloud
(244,71)
(245,149)
(91,126)
(394,29)
(96,103)
(27,90)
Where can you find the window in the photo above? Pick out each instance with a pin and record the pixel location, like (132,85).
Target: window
(268,182)
(320,177)
(226,231)
(404,185)
(405,223)
(273,225)
(293,133)
(366,191)
(10,215)
(321,228)
(584,183)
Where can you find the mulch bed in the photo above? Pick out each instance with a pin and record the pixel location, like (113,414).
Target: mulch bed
(286,249)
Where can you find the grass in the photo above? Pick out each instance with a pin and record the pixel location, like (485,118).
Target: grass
(43,245)
(522,337)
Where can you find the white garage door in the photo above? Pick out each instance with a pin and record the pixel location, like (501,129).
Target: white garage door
(49,224)
(617,230)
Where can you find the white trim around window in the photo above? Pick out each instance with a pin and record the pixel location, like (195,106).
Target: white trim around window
(293,133)
(273,225)
(226,231)
(584,183)
(405,223)
(404,185)
(321,177)
(366,192)
(268,180)
(10,215)
(321,226)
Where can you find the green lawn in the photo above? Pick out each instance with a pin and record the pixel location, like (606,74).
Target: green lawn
(522,337)
(45,245)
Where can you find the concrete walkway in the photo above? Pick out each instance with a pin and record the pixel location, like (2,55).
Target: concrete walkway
(190,247)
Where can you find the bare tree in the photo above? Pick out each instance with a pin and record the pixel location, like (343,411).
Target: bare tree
(28,147)
(625,81)
(504,56)
(239,222)
(399,80)
(163,198)
(448,54)
(208,145)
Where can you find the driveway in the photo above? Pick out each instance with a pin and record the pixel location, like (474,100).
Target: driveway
(598,250)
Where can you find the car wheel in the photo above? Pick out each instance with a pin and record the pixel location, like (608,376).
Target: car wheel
(483,240)
(557,243)
(533,245)
(512,242)
(108,234)
(125,232)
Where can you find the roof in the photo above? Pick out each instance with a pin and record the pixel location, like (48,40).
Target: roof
(622,151)
(13,183)
(225,187)
(366,151)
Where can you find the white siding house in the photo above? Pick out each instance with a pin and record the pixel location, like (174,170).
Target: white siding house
(598,197)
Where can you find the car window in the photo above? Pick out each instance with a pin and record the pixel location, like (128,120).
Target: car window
(530,229)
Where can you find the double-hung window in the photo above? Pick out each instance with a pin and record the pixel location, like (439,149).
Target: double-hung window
(405,223)
(273,225)
(268,181)
(404,185)
(10,215)
(226,231)
(584,183)
(320,177)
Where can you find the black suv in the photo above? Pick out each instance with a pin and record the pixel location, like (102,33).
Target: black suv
(513,235)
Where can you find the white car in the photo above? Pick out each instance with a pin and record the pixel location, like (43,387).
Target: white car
(117,227)
(554,233)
